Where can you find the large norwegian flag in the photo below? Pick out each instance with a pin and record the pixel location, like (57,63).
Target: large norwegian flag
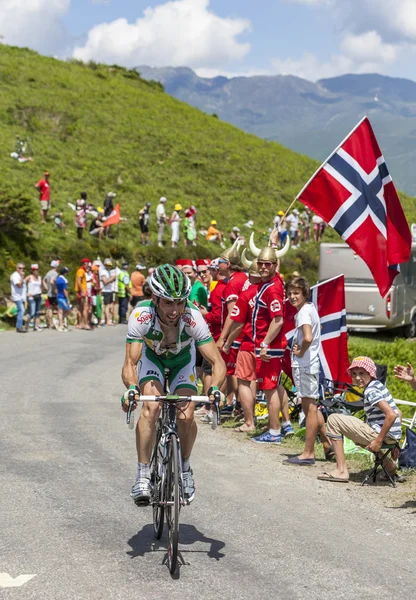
(329,300)
(355,194)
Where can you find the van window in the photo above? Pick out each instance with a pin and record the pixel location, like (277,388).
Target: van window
(409,271)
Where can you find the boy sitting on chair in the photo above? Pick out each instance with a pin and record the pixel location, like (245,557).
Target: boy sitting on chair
(382,416)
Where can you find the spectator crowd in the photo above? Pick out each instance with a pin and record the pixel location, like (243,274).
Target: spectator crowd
(299,227)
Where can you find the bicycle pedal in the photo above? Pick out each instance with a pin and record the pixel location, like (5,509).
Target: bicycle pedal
(140,502)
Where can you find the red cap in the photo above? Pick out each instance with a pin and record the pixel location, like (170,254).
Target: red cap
(85,260)
(202,262)
(184,262)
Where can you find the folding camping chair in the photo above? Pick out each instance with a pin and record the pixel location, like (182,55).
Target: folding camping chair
(390,451)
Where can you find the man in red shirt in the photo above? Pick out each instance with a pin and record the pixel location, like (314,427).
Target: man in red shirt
(245,370)
(270,341)
(44,196)
(230,266)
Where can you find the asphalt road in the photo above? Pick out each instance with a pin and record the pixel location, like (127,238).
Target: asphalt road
(256,529)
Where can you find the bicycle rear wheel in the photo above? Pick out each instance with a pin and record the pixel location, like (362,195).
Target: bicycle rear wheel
(158,479)
(173,500)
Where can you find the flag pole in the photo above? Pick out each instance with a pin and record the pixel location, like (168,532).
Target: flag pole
(325,161)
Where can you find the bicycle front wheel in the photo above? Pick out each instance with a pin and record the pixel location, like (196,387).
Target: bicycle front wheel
(158,477)
(173,503)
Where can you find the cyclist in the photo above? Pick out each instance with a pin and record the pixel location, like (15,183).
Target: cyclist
(162,334)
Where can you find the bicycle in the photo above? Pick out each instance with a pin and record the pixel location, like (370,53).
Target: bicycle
(166,465)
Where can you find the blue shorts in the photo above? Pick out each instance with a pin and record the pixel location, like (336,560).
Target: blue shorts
(63,304)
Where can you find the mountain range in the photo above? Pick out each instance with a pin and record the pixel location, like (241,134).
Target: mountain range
(310,118)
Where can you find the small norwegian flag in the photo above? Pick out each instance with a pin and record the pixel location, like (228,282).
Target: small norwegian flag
(329,300)
(355,194)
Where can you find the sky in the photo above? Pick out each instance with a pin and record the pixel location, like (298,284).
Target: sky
(312,39)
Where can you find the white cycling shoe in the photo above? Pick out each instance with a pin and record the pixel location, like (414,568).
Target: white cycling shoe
(188,485)
(141,492)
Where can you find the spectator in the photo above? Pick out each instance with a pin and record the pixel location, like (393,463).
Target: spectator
(89,276)
(82,294)
(43,188)
(235,234)
(34,296)
(107,280)
(137,282)
(293,221)
(96,297)
(49,286)
(317,227)
(189,229)
(278,219)
(199,294)
(204,274)
(64,305)
(214,234)
(305,219)
(147,292)
(81,215)
(161,221)
(306,368)
(382,426)
(406,374)
(108,203)
(175,221)
(282,232)
(18,290)
(97,226)
(124,290)
(144,218)
(59,222)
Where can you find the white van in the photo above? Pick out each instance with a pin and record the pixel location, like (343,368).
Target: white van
(366,309)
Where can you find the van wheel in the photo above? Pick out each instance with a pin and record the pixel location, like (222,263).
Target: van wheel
(410,330)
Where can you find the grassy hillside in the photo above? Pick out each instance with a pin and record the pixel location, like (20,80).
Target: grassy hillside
(99,128)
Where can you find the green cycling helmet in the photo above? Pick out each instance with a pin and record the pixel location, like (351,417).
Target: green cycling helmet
(169,282)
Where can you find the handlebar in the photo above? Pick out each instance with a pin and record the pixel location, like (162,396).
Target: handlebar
(175,399)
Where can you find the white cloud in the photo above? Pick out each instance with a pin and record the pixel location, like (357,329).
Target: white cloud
(368,47)
(363,53)
(34,23)
(375,34)
(179,32)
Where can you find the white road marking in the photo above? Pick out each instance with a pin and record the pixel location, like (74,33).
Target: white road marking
(6,581)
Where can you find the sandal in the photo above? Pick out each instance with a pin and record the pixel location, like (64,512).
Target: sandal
(329,477)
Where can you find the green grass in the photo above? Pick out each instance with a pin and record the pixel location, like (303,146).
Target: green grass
(99,128)
(388,351)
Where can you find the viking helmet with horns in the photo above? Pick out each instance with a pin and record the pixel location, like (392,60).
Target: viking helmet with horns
(233,254)
(268,253)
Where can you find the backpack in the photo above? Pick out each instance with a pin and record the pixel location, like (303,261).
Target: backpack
(407,458)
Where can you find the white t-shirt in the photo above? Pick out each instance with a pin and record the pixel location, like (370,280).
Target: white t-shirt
(18,293)
(106,287)
(307,316)
(293,222)
(276,221)
(316,220)
(160,213)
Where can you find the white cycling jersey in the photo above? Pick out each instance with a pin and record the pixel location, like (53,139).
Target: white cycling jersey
(144,327)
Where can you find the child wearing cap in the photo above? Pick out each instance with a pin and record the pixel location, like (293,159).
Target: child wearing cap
(382,424)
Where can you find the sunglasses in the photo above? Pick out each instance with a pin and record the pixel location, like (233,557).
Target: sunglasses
(223,261)
(267,264)
(202,272)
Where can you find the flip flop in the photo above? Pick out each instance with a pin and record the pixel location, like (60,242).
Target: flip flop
(329,477)
(240,430)
(301,462)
